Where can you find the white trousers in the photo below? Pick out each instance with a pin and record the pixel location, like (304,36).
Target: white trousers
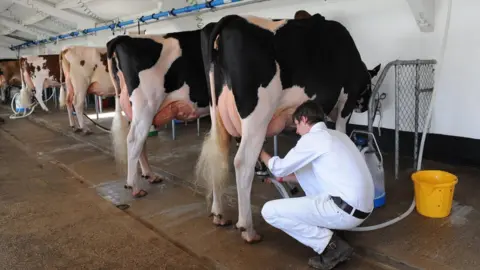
(308,219)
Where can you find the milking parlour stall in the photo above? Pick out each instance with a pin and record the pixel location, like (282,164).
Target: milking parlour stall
(153,133)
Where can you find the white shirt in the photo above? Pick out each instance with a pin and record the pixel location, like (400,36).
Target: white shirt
(326,161)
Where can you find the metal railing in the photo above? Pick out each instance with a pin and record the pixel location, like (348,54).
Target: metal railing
(414,82)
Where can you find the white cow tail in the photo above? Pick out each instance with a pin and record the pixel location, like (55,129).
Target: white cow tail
(119,130)
(64,67)
(62,97)
(213,165)
(24,95)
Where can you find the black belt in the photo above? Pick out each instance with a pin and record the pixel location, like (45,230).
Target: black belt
(348,208)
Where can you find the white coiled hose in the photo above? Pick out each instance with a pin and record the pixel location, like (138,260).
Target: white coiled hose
(32,106)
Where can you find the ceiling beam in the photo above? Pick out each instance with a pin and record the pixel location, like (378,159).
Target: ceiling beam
(424,13)
(79,20)
(17,38)
(32,20)
(13,24)
(4,44)
(70,3)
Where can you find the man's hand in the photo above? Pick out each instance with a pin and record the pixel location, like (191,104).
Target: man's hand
(268,180)
(264,157)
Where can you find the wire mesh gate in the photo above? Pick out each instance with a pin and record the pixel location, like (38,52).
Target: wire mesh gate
(414,82)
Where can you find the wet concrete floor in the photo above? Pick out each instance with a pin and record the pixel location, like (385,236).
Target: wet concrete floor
(71,226)
(50,220)
(174,211)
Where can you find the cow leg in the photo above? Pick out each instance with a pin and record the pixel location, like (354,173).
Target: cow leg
(79,109)
(254,130)
(80,87)
(70,117)
(39,91)
(147,172)
(341,120)
(341,124)
(244,162)
(69,103)
(142,117)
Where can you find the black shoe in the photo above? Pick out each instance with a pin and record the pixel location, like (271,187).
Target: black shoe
(260,168)
(261,173)
(337,251)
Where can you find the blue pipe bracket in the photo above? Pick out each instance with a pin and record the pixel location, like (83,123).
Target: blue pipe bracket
(156,16)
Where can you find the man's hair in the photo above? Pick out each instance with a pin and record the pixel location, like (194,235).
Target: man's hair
(311,111)
(302,14)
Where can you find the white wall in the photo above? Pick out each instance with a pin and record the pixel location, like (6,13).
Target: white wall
(383,31)
(7,53)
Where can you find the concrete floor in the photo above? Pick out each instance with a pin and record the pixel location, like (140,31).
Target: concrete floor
(48,220)
(177,215)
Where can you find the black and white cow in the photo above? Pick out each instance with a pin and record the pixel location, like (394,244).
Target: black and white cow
(260,71)
(156,78)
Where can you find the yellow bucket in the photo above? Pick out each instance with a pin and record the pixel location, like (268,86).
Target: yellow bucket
(434,192)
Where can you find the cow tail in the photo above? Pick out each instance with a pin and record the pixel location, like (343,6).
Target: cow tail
(119,129)
(63,95)
(213,165)
(24,94)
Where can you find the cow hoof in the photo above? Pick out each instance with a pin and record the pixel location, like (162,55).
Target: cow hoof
(77,130)
(256,238)
(155,179)
(87,132)
(127,187)
(141,193)
(220,222)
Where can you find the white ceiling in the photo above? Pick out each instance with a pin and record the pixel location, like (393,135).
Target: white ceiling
(24,20)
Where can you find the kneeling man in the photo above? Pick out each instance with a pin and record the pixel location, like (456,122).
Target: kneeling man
(337,183)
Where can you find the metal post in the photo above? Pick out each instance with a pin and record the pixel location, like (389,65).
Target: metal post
(397,122)
(198,126)
(173,129)
(417,104)
(275,145)
(96,106)
(370,117)
(275,153)
(55,101)
(100,104)
(45,93)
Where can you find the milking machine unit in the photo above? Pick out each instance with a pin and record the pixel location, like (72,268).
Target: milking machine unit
(374,160)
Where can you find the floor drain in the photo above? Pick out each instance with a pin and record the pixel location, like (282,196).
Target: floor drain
(123,206)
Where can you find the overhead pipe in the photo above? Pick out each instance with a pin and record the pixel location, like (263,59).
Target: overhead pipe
(208,5)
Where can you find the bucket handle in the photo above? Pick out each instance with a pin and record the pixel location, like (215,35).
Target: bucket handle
(370,134)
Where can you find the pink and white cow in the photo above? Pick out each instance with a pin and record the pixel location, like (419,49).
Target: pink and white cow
(9,76)
(86,72)
(38,72)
